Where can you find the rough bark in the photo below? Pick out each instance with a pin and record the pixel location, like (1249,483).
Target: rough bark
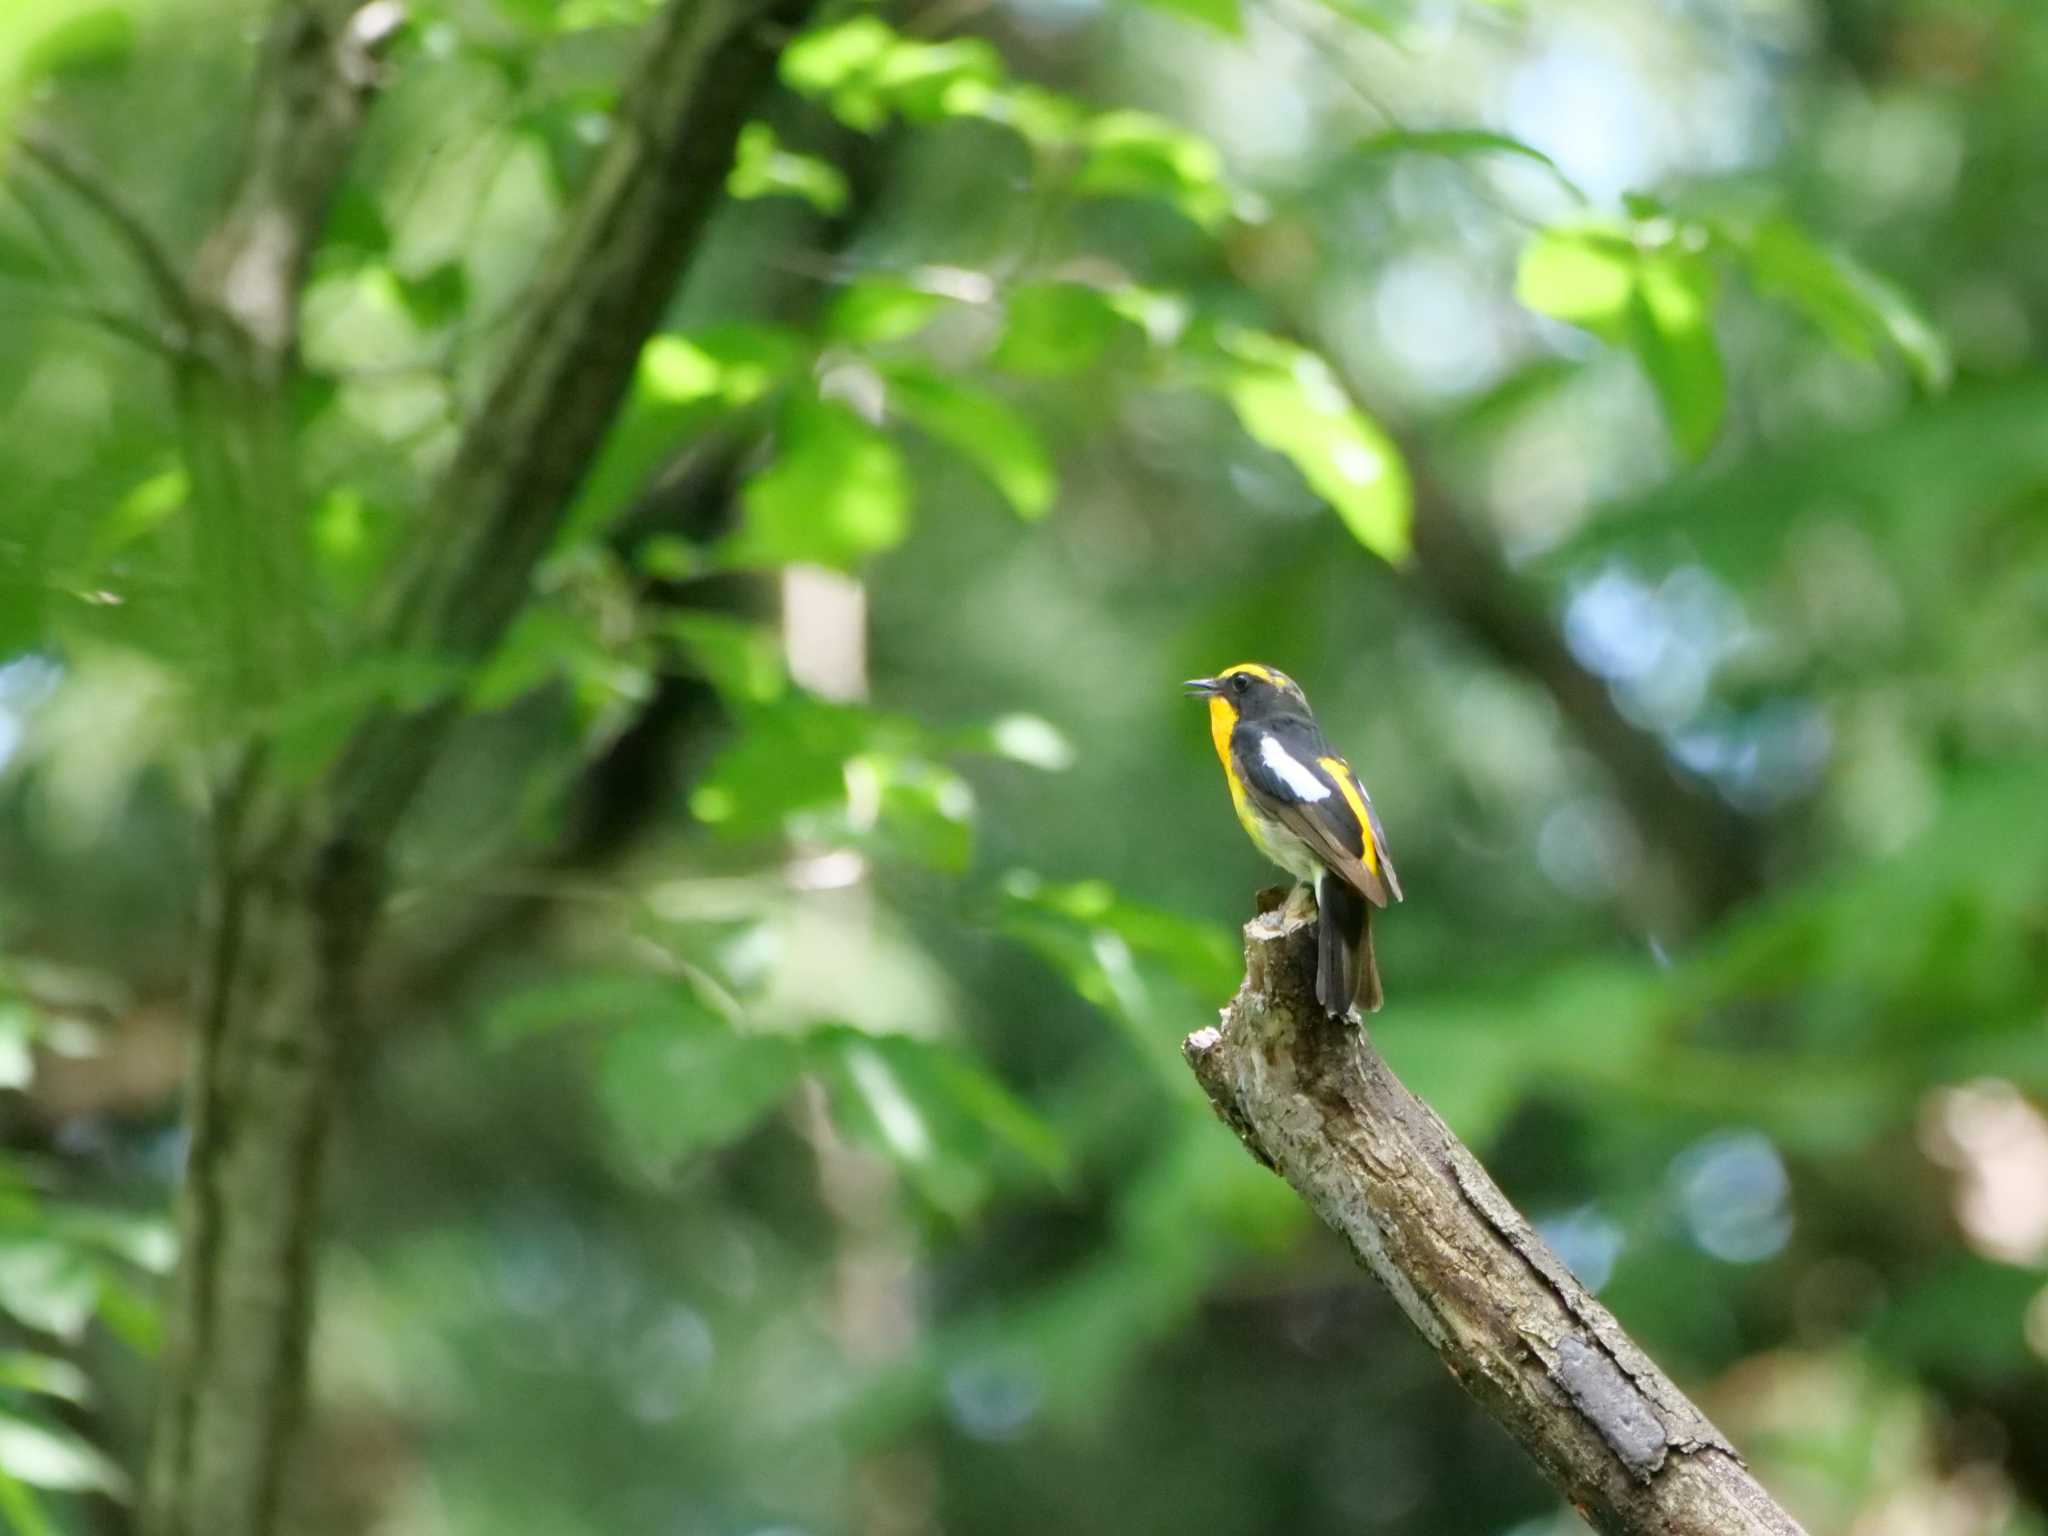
(297,870)
(280,921)
(1313,1100)
(705,67)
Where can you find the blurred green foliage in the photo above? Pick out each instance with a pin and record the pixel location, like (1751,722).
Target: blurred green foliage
(771,1116)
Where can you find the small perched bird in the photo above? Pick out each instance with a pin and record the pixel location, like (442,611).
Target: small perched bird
(1307,812)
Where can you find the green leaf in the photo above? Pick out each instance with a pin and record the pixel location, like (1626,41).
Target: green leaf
(21,1512)
(138,514)
(1582,276)
(17,1039)
(583,998)
(1042,118)
(44,1375)
(1670,323)
(549,641)
(829,58)
(922,80)
(684,383)
(1028,739)
(982,428)
(789,756)
(866,71)
(1222,15)
(742,660)
(1852,306)
(47,1286)
(880,309)
(677,1086)
(44,1456)
(436,298)
(732,364)
(836,493)
(923,811)
(24,257)
(1204,957)
(934,1112)
(80,40)
(1134,154)
(1057,328)
(763,168)
(1654,296)
(1290,401)
(1463,143)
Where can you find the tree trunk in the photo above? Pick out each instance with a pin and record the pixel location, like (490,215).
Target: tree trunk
(1313,1100)
(295,876)
(281,936)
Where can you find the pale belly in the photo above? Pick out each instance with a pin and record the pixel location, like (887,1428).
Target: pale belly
(1278,844)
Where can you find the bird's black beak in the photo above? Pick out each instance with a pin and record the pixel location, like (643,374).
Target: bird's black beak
(1203,687)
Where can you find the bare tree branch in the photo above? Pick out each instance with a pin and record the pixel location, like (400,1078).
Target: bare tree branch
(96,191)
(1313,1100)
(318,68)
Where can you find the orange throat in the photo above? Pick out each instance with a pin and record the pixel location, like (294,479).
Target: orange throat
(1222,721)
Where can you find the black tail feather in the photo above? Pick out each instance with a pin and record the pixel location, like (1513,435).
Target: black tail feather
(1346,972)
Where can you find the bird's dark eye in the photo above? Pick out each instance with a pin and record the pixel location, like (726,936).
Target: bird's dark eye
(1240,685)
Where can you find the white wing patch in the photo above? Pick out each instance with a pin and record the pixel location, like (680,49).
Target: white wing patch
(1290,771)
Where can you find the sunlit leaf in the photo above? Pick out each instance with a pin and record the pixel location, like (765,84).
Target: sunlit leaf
(866,71)
(983,428)
(75,39)
(827,58)
(45,1456)
(685,382)
(1134,154)
(836,493)
(920,79)
(1204,956)
(743,660)
(17,1037)
(1057,328)
(1290,401)
(912,808)
(934,1112)
(762,167)
(1027,739)
(1856,309)
(791,756)
(48,1286)
(1222,15)
(1652,295)
(1582,276)
(880,309)
(1670,323)
(21,1511)
(44,1375)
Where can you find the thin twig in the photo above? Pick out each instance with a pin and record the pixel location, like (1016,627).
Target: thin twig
(105,317)
(98,192)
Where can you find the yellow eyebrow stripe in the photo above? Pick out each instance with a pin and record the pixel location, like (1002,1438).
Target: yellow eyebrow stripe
(1263,674)
(1339,770)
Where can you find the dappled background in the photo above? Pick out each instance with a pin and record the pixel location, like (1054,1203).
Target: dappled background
(1630,424)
